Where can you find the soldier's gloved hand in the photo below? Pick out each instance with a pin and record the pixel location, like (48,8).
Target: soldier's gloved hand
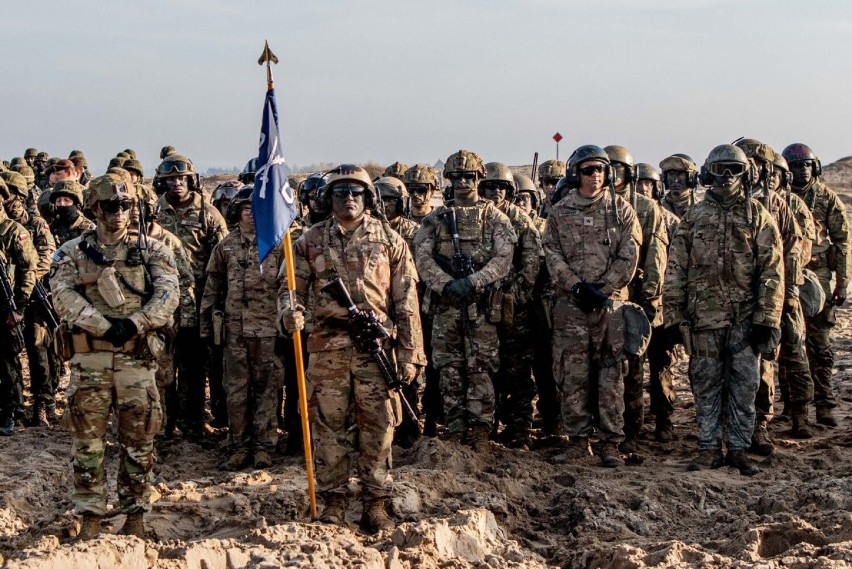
(13,319)
(589,296)
(839,295)
(121,331)
(459,289)
(408,372)
(764,339)
(674,335)
(293,320)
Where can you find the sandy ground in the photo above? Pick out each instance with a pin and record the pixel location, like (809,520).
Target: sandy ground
(457,509)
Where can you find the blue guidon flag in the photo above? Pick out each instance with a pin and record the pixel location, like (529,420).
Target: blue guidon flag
(272,202)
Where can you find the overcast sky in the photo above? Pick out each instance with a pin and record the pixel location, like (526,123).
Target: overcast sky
(391,80)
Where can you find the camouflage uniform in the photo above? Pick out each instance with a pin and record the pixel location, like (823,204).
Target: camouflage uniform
(17,252)
(514,384)
(104,376)
(678,207)
(407,229)
(63,232)
(646,290)
(832,234)
(200,227)
(350,403)
(487,236)
(254,372)
(724,274)
(583,243)
(791,241)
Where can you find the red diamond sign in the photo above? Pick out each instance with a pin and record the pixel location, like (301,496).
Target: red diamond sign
(557,137)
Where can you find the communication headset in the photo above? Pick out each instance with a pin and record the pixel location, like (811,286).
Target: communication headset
(750,177)
(572,176)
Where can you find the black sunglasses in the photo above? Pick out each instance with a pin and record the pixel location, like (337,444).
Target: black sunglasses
(112,206)
(462,175)
(589,170)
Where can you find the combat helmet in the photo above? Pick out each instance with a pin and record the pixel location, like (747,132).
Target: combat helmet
(391,187)
(15,183)
(67,188)
(524,184)
(551,170)
(26,172)
(226,191)
(352,174)
(499,174)
(421,174)
(464,161)
(31,153)
(647,172)
(133,165)
(241,198)
(167,151)
(798,152)
(582,154)
(395,170)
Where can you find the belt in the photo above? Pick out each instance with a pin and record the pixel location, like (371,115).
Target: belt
(99,345)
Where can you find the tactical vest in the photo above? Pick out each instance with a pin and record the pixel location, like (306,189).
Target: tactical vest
(132,279)
(470,221)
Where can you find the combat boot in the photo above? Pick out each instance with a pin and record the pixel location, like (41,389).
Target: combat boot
(39,418)
(664,431)
(610,455)
(760,442)
(375,518)
(262,459)
(237,461)
(707,458)
(825,416)
(7,426)
(134,525)
(334,511)
(801,427)
(479,439)
(739,459)
(90,526)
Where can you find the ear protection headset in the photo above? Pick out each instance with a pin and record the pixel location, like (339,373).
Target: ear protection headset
(572,177)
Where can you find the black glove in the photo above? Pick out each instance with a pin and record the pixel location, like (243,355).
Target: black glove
(589,296)
(764,339)
(121,331)
(458,289)
(674,335)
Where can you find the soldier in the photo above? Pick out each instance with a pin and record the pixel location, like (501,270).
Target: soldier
(592,249)
(44,372)
(16,251)
(761,157)
(829,254)
(723,301)
(549,174)
(40,167)
(223,194)
(167,151)
(794,374)
(308,195)
(200,227)
(30,156)
(646,288)
(114,303)
(67,201)
(246,293)
(33,192)
(680,178)
(395,170)
(527,198)
(421,181)
(395,199)
(60,170)
(464,335)
(648,182)
(346,386)
(514,385)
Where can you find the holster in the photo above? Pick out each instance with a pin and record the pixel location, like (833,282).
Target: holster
(80,342)
(218,318)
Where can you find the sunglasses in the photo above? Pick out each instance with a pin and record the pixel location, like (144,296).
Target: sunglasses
(418,189)
(595,169)
(462,176)
(113,206)
(549,181)
(726,168)
(493,186)
(343,192)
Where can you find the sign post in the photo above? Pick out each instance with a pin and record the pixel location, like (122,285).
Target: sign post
(557,137)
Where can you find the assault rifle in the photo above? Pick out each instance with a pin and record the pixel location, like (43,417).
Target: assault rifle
(43,297)
(367,335)
(17,331)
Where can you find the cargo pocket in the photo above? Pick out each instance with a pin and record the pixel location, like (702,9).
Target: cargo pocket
(71,415)
(154,422)
(394,409)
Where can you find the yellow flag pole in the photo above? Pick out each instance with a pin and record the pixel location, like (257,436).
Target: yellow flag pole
(269,58)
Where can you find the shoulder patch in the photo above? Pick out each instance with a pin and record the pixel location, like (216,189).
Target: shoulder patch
(58,255)
(23,235)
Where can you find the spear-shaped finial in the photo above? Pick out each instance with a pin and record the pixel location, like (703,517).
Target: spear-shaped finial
(268,58)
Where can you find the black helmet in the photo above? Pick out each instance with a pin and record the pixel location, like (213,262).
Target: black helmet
(242,197)
(798,152)
(310,189)
(247,175)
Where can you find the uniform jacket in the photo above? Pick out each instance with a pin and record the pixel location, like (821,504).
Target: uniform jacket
(832,228)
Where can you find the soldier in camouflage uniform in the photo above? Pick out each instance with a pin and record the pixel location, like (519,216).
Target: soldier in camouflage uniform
(592,248)
(308,194)
(246,293)
(514,385)
(549,174)
(223,194)
(68,222)
(680,177)
(646,288)
(346,390)
(16,252)
(395,170)
(761,157)
(830,261)
(723,298)
(395,199)
(422,182)
(794,374)
(44,368)
(114,308)
(464,336)
(200,227)
(58,171)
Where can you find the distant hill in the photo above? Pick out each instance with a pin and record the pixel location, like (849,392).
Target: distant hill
(838,174)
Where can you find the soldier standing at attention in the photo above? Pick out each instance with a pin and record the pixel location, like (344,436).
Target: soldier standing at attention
(830,261)
(465,349)
(723,297)
(114,305)
(592,248)
(345,387)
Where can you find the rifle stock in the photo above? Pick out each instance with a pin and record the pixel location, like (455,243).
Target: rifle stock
(17,331)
